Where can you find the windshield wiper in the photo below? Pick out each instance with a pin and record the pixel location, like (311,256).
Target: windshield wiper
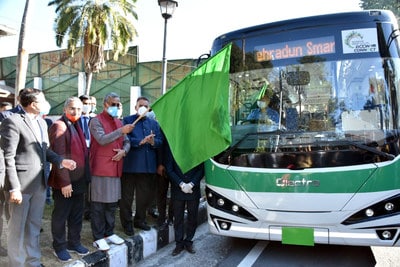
(370,149)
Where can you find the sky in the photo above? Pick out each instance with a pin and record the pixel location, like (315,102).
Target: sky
(190,31)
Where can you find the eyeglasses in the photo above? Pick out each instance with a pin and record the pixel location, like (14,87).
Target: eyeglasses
(116,104)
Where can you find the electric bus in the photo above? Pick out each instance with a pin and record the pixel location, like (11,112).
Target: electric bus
(320,162)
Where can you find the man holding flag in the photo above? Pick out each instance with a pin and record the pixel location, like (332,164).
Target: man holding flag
(194,114)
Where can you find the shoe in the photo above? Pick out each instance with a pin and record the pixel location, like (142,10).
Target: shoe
(79,249)
(142,226)
(115,239)
(63,255)
(128,230)
(190,249)
(177,251)
(101,244)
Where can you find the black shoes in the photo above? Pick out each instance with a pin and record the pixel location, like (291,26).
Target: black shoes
(142,226)
(190,249)
(128,230)
(177,251)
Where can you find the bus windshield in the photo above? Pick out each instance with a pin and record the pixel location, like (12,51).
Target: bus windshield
(314,96)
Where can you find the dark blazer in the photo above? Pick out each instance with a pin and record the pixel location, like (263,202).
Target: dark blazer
(142,158)
(25,153)
(67,140)
(176,176)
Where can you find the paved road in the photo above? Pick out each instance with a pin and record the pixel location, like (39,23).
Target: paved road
(221,251)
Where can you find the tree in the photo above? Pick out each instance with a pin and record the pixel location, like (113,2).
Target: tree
(392,5)
(92,24)
(22,55)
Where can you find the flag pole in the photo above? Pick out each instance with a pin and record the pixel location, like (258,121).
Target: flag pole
(140,117)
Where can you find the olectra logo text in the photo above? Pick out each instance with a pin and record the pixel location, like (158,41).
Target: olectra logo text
(285,181)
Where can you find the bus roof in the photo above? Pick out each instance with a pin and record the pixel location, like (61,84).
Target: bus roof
(298,23)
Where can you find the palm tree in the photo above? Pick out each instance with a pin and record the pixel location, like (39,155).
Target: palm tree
(91,24)
(22,56)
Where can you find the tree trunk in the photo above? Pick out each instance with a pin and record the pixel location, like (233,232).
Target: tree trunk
(22,56)
(89,76)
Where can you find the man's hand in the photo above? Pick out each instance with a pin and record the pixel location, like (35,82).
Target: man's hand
(120,154)
(127,128)
(148,139)
(66,191)
(68,164)
(161,170)
(186,188)
(16,197)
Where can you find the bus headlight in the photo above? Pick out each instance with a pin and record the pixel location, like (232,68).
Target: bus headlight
(385,208)
(387,235)
(235,208)
(389,206)
(224,204)
(369,212)
(224,225)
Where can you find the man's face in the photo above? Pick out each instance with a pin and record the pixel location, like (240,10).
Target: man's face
(88,106)
(74,108)
(38,104)
(113,102)
(142,103)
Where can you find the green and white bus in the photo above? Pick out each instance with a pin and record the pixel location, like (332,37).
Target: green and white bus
(320,164)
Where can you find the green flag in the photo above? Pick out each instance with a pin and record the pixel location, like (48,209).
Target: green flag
(194,114)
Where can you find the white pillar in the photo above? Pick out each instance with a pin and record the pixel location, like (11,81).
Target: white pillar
(136,91)
(38,83)
(81,83)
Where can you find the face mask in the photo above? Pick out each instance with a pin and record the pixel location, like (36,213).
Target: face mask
(72,118)
(261,104)
(86,109)
(45,108)
(113,111)
(141,110)
(93,109)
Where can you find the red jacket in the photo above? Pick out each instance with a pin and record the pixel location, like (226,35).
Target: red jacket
(101,163)
(69,142)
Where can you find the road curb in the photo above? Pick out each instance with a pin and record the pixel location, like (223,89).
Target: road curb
(135,248)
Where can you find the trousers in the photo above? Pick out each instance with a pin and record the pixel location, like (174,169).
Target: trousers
(183,237)
(67,212)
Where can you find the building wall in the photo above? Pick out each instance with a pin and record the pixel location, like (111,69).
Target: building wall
(60,75)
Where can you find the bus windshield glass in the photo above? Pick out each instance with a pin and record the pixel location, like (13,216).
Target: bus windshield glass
(314,92)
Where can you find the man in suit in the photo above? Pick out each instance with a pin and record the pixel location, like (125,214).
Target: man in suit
(140,168)
(185,195)
(25,142)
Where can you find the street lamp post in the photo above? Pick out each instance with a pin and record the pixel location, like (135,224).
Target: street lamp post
(167,8)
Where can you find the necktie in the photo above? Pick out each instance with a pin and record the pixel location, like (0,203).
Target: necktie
(86,130)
